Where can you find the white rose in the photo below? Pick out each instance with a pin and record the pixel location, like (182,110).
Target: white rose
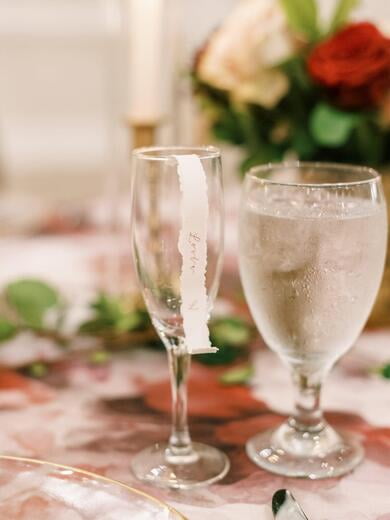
(241,55)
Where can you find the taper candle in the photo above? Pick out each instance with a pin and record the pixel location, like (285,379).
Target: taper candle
(146,52)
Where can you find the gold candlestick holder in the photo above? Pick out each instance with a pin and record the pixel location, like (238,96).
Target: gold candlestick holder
(143,134)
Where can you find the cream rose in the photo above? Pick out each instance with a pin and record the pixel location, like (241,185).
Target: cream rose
(242,54)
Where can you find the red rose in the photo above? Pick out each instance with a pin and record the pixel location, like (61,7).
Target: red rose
(354,65)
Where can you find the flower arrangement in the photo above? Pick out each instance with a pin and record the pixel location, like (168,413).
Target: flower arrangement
(274,81)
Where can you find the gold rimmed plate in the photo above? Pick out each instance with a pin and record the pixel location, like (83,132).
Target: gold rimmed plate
(37,490)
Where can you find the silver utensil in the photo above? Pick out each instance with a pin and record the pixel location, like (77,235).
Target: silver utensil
(285,507)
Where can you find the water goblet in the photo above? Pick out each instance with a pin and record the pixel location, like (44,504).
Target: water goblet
(312,251)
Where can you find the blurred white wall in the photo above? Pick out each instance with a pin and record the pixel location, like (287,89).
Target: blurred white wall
(63,87)
(63,90)
(57,100)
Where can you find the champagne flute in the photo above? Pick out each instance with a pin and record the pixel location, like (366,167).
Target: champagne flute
(179,463)
(312,251)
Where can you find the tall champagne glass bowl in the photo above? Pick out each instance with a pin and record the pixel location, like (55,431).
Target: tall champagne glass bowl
(312,251)
(156,223)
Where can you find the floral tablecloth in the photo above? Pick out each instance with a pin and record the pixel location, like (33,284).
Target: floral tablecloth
(97,416)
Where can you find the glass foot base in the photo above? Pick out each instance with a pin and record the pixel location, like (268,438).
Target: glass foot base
(202,467)
(293,453)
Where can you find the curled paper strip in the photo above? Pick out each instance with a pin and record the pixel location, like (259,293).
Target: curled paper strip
(193,248)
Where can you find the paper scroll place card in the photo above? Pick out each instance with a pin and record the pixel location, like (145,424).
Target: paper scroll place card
(193,248)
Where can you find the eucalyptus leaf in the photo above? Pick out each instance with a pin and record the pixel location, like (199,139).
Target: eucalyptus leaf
(330,126)
(302,16)
(237,376)
(341,13)
(31,298)
(7,329)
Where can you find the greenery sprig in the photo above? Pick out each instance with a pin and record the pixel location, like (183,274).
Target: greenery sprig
(116,322)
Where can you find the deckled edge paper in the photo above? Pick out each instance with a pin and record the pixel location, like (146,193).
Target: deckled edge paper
(193,248)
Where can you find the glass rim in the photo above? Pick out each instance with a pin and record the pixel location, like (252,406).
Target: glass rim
(101,478)
(146,152)
(373,177)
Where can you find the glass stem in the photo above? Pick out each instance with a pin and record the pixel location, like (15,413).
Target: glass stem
(179,365)
(308,414)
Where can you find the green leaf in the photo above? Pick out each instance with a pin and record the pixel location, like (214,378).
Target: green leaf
(7,329)
(225,355)
(37,370)
(248,124)
(112,316)
(302,16)
(232,336)
(237,376)
(31,299)
(302,143)
(107,308)
(385,371)
(330,126)
(96,326)
(341,13)
(132,321)
(99,357)
(370,142)
(295,68)
(231,331)
(266,153)
(227,128)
